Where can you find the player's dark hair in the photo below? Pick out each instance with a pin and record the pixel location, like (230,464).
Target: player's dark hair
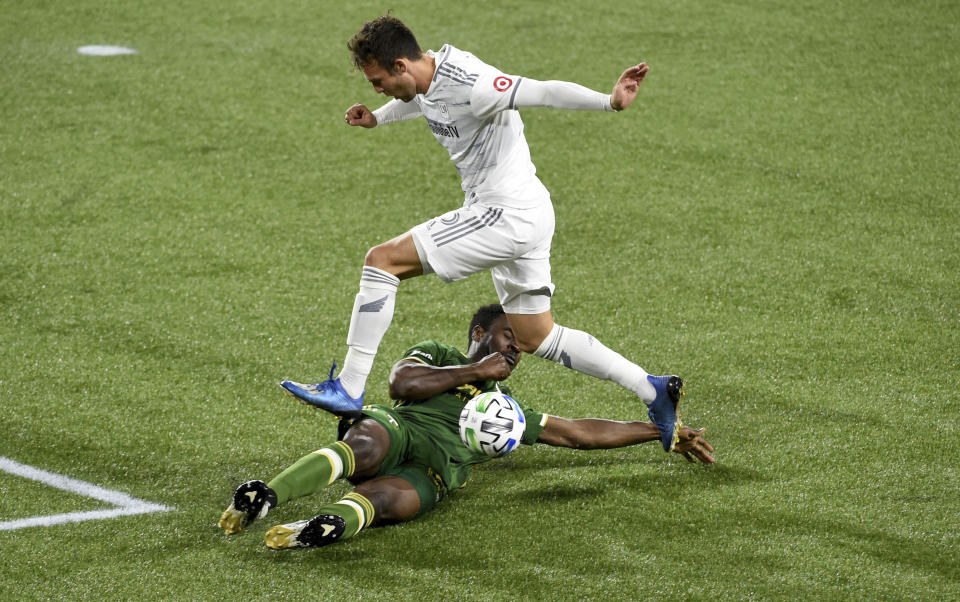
(384,40)
(484,317)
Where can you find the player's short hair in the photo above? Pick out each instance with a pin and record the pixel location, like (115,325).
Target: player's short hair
(383,40)
(484,317)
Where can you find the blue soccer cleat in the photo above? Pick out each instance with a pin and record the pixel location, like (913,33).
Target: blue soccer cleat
(664,410)
(328,395)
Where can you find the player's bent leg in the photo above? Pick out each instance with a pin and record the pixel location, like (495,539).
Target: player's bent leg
(358,455)
(398,256)
(382,499)
(370,443)
(580,351)
(384,267)
(394,499)
(530,329)
(315,471)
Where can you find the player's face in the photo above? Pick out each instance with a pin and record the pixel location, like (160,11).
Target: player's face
(398,83)
(500,338)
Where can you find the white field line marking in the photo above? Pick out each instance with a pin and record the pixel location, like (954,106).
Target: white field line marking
(101,50)
(126,505)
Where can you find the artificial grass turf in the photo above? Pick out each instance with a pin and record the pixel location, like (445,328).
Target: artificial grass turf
(775,220)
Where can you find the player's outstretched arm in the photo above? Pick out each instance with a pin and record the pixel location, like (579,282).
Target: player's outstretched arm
(626,88)
(568,95)
(598,433)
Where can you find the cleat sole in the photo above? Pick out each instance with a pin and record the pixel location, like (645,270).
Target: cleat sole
(282,537)
(678,424)
(319,531)
(232,521)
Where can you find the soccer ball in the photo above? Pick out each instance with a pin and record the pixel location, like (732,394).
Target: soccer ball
(492,424)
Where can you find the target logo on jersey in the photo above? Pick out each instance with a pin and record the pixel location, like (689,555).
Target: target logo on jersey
(502,83)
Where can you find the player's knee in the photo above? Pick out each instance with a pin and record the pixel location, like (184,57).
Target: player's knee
(527,346)
(379,257)
(370,443)
(531,331)
(528,342)
(393,499)
(396,506)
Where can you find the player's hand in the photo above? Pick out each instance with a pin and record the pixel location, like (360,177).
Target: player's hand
(627,86)
(496,366)
(693,446)
(360,115)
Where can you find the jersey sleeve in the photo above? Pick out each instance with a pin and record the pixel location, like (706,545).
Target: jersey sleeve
(432,353)
(493,92)
(396,110)
(559,95)
(535,422)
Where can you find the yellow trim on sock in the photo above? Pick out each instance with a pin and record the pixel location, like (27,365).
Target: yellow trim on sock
(364,503)
(361,515)
(350,463)
(336,464)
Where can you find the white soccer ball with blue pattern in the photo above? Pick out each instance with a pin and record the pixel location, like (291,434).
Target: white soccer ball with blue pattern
(492,424)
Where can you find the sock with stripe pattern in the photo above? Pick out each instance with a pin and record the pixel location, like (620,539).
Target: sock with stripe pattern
(580,351)
(314,472)
(372,314)
(355,510)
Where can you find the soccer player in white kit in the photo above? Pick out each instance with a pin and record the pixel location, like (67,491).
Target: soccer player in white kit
(506,222)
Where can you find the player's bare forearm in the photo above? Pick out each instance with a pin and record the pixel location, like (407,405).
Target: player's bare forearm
(627,87)
(412,380)
(596,433)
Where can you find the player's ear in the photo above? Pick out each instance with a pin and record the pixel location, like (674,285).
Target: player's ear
(477,334)
(400,66)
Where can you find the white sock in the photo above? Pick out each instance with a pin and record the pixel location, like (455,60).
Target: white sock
(579,351)
(372,314)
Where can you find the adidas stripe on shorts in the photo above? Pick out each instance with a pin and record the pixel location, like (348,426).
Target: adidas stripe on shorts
(514,244)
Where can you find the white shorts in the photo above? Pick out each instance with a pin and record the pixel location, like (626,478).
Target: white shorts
(514,244)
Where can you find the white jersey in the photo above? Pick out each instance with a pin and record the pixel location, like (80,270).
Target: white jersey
(470,110)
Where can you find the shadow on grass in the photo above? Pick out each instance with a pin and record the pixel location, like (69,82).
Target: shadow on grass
(433,542)
(659,484)
(854,538)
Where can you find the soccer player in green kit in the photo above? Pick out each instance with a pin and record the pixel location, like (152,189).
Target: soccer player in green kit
(406,458)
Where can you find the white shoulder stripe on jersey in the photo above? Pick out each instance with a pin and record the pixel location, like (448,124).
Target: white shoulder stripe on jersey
(456,76)
(453,69)
(441,60)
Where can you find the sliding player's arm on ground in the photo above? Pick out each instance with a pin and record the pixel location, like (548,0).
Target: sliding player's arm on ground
(413,380)
(567,95)
(393,111)
(598,433)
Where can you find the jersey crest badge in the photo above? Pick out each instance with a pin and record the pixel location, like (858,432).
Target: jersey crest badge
(502,84)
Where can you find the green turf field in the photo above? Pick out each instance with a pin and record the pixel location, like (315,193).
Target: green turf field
(777,220)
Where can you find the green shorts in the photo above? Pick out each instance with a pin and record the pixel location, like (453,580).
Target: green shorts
(409,457)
